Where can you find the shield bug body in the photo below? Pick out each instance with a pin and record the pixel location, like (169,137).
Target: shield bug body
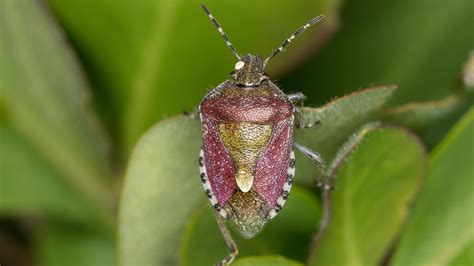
(247,163)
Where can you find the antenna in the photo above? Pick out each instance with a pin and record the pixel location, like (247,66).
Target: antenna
(292,37)
(223,34)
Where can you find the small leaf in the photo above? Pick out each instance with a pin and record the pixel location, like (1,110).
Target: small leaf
(338,119)
(266,261)
(162,188)
(441,223)
(289,234)
(60,245)
(374,184)
(45,99)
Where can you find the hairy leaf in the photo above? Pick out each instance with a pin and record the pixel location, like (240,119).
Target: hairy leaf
(337,121)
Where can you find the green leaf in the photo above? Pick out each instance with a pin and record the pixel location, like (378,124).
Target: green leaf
(152,59)
(374,183)
(29,186)
(441,223)
(338,119)
(396,42)
(162,188)
(266,261)
(45,98)
(59,245)
(289,234)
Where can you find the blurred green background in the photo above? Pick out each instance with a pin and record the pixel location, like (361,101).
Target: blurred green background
(81,81)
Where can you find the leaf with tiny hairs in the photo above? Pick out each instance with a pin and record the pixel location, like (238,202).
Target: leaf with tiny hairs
(373,184)
(337,121)
(441,224)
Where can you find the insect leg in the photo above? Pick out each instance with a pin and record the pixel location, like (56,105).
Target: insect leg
(316,157)
(325,183)
(233,251)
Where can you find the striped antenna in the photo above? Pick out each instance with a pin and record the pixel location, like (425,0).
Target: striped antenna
(219,28)
(292,37)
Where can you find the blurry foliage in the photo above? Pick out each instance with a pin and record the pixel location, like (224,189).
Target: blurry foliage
(81,81)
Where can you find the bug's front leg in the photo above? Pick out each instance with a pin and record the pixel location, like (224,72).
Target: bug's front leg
(231,245)
(321,180)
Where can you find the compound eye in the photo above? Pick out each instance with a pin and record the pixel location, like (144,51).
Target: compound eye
(239,65)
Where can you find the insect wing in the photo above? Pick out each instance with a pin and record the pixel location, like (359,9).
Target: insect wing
(217,163)
(274,168)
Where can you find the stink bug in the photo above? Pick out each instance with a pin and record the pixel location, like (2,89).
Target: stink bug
(247,163)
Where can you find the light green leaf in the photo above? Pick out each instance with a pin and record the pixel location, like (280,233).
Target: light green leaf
(289,234)
(419,45)
(465,257)
(162,188)
(44,97)
(60,245)
(374,184)
(442,221)
(154,58)
(338,119)
(28,186)
(266,261)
